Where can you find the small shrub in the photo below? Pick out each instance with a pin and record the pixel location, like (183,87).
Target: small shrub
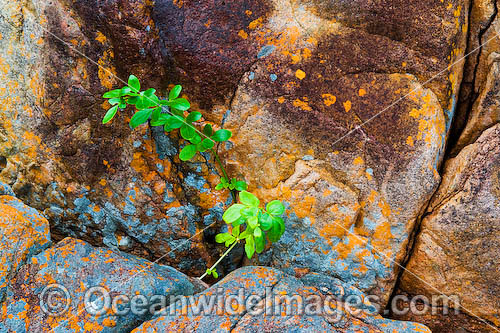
(251,224)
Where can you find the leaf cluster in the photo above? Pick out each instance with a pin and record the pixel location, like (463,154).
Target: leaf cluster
(257,223)
(234,184)
(251,224)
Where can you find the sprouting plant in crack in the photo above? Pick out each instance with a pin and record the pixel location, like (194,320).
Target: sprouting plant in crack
(251,224)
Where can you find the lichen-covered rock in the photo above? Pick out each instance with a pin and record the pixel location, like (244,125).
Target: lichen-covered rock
(289,78)
(269,288)
(478,99)
(321,72)
(6,190)
(24,232)
(458,247)
(49,292)
(105,184)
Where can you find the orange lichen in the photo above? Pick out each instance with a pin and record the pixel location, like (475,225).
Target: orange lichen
(329,99)
(347,106)
(300,74)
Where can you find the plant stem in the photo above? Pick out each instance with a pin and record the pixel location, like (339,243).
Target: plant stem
(220,259)
(223,171)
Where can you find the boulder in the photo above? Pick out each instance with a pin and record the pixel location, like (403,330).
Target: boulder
(312,90)
(265,299)
(76,287)
(24,232)
(457,250)
(479,89)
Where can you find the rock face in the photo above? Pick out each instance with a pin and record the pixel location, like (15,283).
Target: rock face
(271,286)
(480,87)
(458,248)
(291,79)
(23,233)
(51,293)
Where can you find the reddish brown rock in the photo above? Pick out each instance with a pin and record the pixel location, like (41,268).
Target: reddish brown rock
(456,252)
(295,76)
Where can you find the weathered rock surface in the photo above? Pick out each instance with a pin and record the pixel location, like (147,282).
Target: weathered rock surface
(353,200)
(479,90)
(23,233)
(289,78)
(35,304)
(457,250)
(265,284)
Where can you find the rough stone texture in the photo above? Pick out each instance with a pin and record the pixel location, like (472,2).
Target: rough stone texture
(479,89)
(290,78)
(6,190)
(457,249)
(77,266)
(354,201)
(23,233)
(121,190)
(261,281)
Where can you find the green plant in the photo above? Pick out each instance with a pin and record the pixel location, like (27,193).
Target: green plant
(250,223)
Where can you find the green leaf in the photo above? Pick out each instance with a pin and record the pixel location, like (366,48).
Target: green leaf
(232,213)
(250,211)
(260,244)
(162,119)
(219,187)
(140,117)
(196,139)
(257,232)
(113,93)
(150,92)
(156,114)
(114,101)
(222,135)
(193,116)
(141,103)
(133,100)
(245,234)
(236,231)
(277,229)
(281,224)
(181,104)
(221,238)
(175,122)
(239,221)
(215,274)
(266,222)
(252,221)
(207,130)
(207,143)
(241,185)
(110,114)
(175,92)
(133,83)
(125,91)
(249,199)
(187,131)
(151,98)
(275,208)
(249,247)
(187,152)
